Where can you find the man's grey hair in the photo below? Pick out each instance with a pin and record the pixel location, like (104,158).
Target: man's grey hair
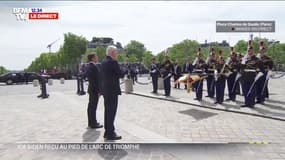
(109,49)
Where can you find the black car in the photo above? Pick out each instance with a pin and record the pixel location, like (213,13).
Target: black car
(19,77)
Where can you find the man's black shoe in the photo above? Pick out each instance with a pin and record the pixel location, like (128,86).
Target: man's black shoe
(112,137)
(198,99)
(259,102)
(251,106)
(207,96)
(228,99)
(82,93)
(154,92)
(45,96)
(244,105)
(98,125)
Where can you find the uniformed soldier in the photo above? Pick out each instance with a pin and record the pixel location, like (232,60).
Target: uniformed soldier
(261,84)
(232,66)
(250,68)
(220,79)
(199,68)
(237,83)
(211,66)
(43,87)
(167,72)
(177,74)
(80,80)
(154,73)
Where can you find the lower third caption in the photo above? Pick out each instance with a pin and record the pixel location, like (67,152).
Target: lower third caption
(81,146)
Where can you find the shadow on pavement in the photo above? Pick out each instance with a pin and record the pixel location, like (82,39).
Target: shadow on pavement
(274,107)
(229,106)
(113,154)
(198,114)
(267,112)
(91,135)
(275,101)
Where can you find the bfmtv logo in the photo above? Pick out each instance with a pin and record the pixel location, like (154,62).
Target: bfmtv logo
(24,14)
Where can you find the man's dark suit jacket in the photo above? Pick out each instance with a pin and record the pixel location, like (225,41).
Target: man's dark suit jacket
(92,74)
(111,75)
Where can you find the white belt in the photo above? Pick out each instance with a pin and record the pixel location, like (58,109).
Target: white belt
(198,70)
(250,70)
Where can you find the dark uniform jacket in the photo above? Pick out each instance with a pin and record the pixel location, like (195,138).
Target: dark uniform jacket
(93,76)
(154,70)
(266,62)
(199,67)
(247,69)
(211,66)
(166,68)
(177,70)
(111,75)
(187,68)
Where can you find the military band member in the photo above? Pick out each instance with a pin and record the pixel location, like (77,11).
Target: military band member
(166,71)
(177,74)
(238,83)
(199,68)
(211,66)
(261,84)
(233,67)
(250,68)
(220,79)
(154,73)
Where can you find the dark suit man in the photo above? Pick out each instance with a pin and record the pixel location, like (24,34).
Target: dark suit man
(177,74)
(92,74)
(111,89)
(187,69)
(167,72)
(154,73)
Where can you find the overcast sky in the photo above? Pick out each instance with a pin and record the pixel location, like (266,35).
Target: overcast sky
(156,24)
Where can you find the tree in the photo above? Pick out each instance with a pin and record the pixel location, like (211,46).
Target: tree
(3,70)
(146,59)
(241,46)
(132,58)
(122,57)
(100,51)
(74,47)
(135,49)
(183,51)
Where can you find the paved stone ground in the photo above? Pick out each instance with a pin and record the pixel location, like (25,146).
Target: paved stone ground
(164,129)
(274,106)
